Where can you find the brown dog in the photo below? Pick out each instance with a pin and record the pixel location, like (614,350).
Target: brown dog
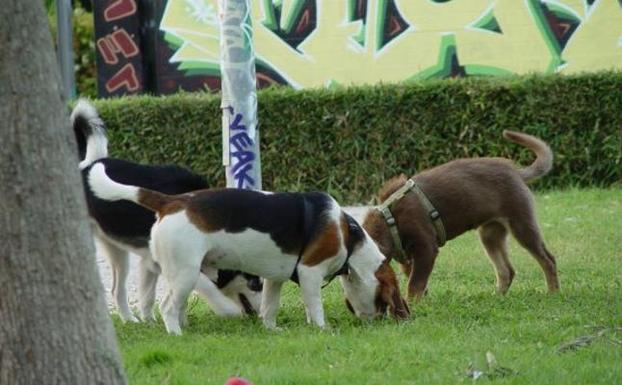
(489,194)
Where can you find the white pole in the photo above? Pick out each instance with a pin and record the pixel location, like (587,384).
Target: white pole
(65,47)
(239,96)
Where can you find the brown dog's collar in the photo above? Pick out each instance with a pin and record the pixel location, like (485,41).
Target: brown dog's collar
(433,214)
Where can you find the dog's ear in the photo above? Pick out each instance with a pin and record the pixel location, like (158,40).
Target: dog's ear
(398,306)
(349,306)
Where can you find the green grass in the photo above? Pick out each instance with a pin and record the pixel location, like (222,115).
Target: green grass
(456,324)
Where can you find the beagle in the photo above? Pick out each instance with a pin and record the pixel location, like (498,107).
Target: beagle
(277,236)
(123,227)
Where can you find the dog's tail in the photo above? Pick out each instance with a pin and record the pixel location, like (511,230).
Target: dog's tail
(107,189)
(90,133)
(544,156)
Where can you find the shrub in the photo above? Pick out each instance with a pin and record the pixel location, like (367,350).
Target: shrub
(348,141)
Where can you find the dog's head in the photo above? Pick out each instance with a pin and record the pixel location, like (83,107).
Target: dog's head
(244,289)
(371,286)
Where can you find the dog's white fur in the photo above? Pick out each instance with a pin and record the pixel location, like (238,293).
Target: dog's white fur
(179,247)
(223,303)
(97,145)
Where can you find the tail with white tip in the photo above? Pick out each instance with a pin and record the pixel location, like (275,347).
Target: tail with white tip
(90,133)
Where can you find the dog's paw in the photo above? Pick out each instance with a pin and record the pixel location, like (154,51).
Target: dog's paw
(230,312)
(271,326)
(174,331)
(129,318)
(324,327)
(148,317)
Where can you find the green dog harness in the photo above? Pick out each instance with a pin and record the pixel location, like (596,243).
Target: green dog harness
(433,214)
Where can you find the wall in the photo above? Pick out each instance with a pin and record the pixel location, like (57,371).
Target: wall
(307,43)
(118,48)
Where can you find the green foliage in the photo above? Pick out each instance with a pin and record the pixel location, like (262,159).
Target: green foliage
(451,329)
(83,47)
(347,141)
(84,51)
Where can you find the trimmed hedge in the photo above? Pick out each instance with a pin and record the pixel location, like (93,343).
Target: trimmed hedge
(347,141)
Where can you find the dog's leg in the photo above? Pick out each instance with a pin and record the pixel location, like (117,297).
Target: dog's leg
(220,303)
(311,287)
(526,232)
(119,261)
(147,288)
(422,265)
(270,297)
(180,285)
(493,236)
(407,267)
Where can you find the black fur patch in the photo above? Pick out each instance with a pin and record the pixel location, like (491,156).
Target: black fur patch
(125,220)
(282,215)
(82,130)
(356,235)
(225,277)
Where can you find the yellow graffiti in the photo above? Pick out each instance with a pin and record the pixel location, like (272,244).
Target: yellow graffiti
(521,48)
(597,43)
(195,22)
(521,41)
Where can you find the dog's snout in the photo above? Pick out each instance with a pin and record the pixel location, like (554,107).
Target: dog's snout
(246,304)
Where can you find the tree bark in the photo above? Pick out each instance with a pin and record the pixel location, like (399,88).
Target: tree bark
(54,324)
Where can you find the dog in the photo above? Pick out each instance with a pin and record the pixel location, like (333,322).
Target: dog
(123,227)
(441,203)
(305,237)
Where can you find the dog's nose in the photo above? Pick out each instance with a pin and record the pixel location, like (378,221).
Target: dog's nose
(248,308)
(367,316)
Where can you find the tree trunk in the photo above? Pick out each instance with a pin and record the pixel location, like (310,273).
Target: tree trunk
(54,324)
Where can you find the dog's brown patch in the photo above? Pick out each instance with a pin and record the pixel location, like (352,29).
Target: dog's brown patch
(161,203)
(172,208)
(377,228)
(323,247)
(388,293)
(391,186)
(202,221)
(345,229)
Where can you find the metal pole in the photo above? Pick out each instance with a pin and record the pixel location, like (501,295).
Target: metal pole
(240,136)
(65,47)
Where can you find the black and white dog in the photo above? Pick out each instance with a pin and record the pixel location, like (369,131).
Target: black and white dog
(120,227)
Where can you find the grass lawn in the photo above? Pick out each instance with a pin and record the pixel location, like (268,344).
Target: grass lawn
(454,327)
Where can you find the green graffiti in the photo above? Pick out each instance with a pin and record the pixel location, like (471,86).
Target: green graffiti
(311,43)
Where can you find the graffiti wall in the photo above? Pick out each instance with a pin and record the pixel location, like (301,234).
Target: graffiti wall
(308,43)
(119,58)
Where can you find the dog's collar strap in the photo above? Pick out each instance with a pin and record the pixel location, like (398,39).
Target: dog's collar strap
(343,270)
(353,227)
(433,214)
(397,241)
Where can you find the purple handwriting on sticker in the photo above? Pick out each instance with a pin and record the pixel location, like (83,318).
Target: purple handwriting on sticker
(241,142)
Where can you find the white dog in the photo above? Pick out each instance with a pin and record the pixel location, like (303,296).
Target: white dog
(280,236)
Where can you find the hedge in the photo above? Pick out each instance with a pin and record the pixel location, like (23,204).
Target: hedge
(347,141)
